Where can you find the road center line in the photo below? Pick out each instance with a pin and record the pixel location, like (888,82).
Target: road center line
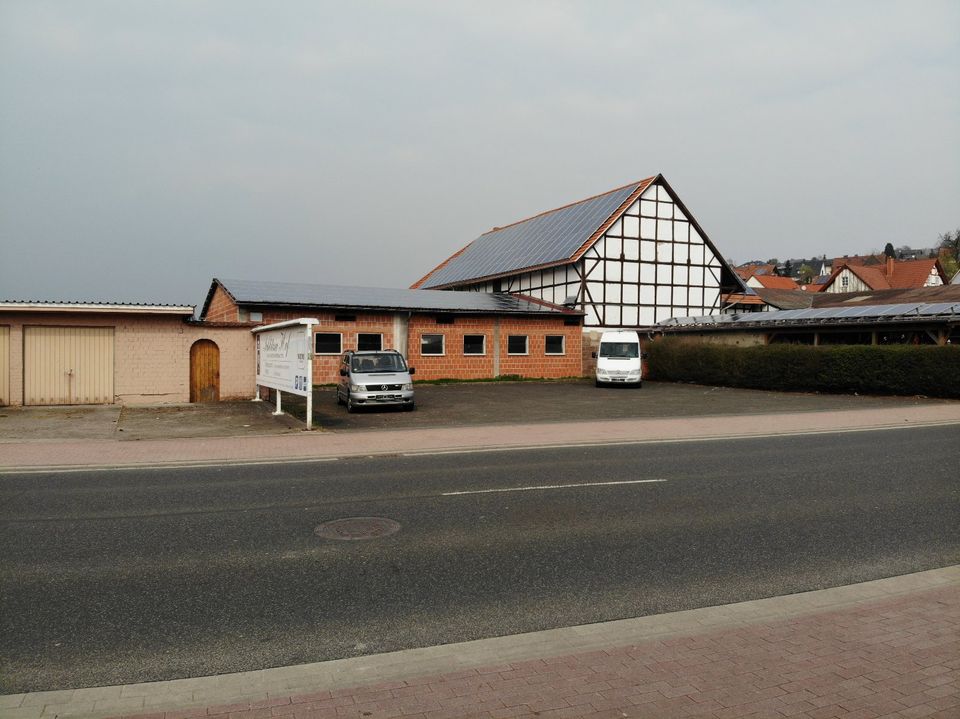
(550,486)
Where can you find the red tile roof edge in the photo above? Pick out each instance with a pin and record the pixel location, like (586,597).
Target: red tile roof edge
(416,285)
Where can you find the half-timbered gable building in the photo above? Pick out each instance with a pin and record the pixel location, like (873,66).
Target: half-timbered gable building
(630,257)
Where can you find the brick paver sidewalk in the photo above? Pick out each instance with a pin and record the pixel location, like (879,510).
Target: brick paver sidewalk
(897,657)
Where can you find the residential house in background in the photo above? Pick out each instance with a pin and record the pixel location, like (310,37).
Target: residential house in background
(893,274)
(772,282)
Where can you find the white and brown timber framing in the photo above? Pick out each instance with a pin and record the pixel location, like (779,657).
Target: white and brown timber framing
(648,261)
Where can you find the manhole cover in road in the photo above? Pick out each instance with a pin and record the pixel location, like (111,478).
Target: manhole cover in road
(353,528)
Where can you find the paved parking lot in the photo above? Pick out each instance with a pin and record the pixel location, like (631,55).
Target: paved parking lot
(223,419)
(483,403)
(440,405)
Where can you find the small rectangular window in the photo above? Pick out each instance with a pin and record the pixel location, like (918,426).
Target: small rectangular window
(345,318)
(431,344)
(572,322)
(517,345)
(327,343)
(554,345)
(369,342)
(256,316)
(474,344)
(444,319)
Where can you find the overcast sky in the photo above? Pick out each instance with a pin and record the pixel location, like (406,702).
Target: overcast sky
(146,147)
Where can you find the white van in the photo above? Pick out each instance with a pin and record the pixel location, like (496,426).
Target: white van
(619,359)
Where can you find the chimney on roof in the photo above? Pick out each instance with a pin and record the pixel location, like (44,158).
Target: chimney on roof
(889,267)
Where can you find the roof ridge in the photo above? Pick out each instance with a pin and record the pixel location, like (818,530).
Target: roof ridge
(569,204)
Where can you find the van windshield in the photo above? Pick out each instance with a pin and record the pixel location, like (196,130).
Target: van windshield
(380,362)
(625,350)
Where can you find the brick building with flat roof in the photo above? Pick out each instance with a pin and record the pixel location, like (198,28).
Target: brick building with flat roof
(445,335)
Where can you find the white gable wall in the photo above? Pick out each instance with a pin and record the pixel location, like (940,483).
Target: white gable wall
(933,279)
(846,281)
(650,265)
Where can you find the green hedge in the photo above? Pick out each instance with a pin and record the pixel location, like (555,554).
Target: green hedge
(886,369)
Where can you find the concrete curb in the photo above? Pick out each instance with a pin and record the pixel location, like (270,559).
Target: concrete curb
(99,454)
(268,684)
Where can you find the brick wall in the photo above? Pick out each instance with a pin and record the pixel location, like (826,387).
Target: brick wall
(536,363)
(151,354)
(222,308)
(453,364)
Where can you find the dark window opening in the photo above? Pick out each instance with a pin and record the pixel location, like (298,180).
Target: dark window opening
(444,319)
(554,345)
(474,344)
(327,343)
(431,344)
(345,318)
(517,344)
(369,342)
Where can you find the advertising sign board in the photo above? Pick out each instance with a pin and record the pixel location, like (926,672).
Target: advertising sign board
(282,361)
(285,360)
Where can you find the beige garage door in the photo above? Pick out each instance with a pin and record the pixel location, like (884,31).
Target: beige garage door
(4,365)
(67,365)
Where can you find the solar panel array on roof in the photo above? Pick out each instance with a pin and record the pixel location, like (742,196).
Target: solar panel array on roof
(827,315)
(550,237)
(940,308)
(251,292)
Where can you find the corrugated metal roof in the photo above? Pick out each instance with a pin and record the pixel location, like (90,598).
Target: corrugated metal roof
(95,306)
(547,238)
(254,292)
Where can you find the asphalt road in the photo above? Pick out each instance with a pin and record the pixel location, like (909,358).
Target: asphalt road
(123,576)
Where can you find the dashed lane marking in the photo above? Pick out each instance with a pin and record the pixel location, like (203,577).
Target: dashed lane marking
(549,486)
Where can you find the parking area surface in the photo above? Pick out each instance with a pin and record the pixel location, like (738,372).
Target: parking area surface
(223,419)
(440,405)
(486,403)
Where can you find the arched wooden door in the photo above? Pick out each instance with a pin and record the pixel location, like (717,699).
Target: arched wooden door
(204,371)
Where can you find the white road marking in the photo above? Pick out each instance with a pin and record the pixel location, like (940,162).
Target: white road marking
(550,486)
(205,464)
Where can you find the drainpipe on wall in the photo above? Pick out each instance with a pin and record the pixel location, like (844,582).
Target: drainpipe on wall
(496,347)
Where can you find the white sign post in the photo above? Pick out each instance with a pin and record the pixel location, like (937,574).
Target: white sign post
(285,360)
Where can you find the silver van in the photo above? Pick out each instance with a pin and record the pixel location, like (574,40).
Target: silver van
(369,379)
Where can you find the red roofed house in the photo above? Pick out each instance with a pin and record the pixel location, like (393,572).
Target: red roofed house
(748,270)
(895,274)
(772,282)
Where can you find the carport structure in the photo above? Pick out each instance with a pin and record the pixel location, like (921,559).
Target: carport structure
(933,323)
